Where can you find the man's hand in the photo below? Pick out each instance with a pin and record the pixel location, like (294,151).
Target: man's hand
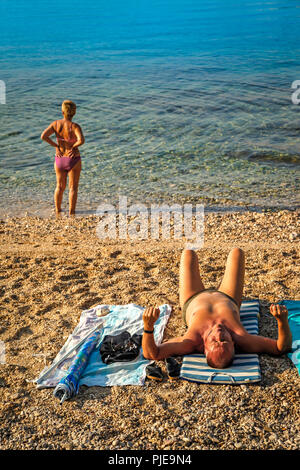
(280,312)
(284,341)
(150,316)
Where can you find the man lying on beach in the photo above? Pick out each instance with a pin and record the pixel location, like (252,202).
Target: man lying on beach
(212,318)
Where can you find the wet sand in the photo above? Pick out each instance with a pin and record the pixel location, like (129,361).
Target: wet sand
(52,269)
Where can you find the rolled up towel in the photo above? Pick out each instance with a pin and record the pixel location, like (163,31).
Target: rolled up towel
(69,385)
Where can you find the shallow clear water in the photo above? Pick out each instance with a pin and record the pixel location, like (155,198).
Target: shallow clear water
(179,101)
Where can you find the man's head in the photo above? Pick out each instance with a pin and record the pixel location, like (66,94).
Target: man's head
(218,347)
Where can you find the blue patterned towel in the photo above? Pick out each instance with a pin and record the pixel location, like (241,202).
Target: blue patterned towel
(120,318)
(245,367)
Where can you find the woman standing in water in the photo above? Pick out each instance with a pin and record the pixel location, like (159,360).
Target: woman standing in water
(67,157)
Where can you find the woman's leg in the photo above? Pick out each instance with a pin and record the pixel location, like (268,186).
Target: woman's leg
(190,282)
(233,281)
(61,181)
(74,175)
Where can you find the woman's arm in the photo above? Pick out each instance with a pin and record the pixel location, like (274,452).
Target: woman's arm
(46,135)
(80,137)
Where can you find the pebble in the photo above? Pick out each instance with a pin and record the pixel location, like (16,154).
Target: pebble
(168,442)
(293,236)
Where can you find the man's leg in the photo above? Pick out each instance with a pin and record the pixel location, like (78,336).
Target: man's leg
(233,281)
(190,282)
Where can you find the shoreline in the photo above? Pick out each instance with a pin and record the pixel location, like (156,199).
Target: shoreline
(49,213)
(52,269)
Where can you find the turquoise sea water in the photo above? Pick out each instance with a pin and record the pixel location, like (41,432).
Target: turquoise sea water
(179,101)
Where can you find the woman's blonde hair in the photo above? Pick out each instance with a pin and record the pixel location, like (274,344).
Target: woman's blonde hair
(68,108)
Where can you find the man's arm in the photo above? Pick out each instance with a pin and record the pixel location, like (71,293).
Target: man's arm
(175,346)
(284,341)
(259,344)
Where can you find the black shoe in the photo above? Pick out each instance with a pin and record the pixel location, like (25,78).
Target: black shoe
(173,368)
(154,372)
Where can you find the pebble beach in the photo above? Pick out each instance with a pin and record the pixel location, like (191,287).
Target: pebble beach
(53,268)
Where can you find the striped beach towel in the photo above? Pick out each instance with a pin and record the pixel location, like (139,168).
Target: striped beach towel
(245,367)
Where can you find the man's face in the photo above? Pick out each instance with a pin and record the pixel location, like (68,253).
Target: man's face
(218,344)
(216,336)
